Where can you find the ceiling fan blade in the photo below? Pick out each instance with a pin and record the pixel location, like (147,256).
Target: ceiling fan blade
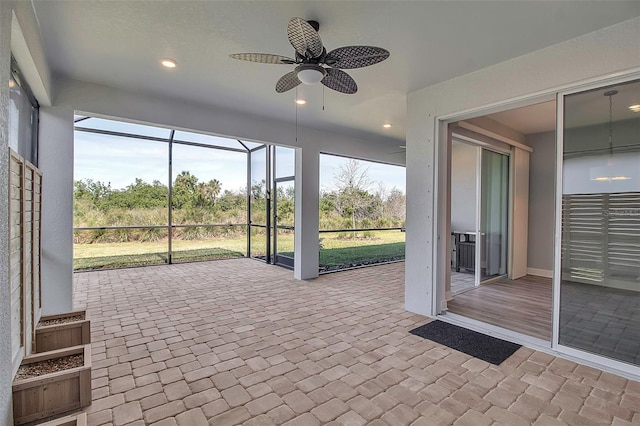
(263,58)
(350,57)
(287,82)
(339,81)
(304,38)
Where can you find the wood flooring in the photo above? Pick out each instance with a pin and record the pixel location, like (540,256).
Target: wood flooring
(523,305)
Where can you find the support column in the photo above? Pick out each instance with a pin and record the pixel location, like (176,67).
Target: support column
(307,212)
(421,198)
(56,163)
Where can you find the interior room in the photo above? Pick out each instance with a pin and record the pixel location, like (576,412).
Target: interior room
(177,251)
(523,304)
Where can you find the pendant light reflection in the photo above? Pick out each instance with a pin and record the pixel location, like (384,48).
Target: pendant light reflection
(611,172)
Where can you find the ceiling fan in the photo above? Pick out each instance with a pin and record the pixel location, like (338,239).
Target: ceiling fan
(314,64)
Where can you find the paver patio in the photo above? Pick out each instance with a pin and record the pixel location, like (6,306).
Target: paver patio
(240,342)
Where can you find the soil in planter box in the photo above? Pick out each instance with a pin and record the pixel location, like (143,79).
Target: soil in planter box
(64,320)
(49,366)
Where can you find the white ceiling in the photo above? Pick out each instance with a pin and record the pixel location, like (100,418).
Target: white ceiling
(531,119)
(120,43)
(581,109)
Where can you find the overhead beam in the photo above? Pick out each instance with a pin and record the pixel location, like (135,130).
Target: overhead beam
(495,130)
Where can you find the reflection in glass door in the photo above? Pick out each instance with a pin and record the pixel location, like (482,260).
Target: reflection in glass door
(494,208)
(283,221)
(599,279)
(259,204)
(271,213)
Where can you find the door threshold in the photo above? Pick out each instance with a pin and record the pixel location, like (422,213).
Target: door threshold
(498,332)
(464,290)
(601,363)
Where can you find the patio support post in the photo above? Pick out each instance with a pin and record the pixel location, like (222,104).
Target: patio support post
(56,164)
(307,206)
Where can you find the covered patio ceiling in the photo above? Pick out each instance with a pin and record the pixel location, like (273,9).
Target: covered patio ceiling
(120,44)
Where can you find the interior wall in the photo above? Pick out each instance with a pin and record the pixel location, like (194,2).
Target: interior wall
(596,136)
(541,201)
(464,168)
(601,53)
(6,376)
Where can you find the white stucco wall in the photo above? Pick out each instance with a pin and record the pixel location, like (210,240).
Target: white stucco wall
(614,49)
(56,142)
(6,417)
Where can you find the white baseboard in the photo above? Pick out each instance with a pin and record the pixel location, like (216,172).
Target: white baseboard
(546,273)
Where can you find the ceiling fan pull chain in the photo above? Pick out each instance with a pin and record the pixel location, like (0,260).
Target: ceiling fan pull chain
(296,106)
(323,97)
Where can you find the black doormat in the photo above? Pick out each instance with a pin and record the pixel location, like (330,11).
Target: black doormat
(470,342)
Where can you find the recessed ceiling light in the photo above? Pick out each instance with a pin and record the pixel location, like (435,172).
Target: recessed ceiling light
(635,108)
(12,84)
(386,125)
(301,101)
(169,63)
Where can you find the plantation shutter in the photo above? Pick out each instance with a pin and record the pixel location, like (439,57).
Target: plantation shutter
(624,236)
(16,278)
(37,251)
(25,195)
(27,252)
(603,235)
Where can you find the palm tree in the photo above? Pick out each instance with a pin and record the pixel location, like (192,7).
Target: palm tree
(207,192)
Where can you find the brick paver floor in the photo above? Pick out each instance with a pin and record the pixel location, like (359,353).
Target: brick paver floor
(240,342)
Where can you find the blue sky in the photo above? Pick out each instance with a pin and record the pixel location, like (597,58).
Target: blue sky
(120,160)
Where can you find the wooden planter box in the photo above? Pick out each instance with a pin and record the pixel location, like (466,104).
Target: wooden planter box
(73,420)
(53,393)
(63,335)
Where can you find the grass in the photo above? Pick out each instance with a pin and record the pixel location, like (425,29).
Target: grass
(336,252)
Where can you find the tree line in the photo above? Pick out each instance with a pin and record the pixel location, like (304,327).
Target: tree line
(351,203)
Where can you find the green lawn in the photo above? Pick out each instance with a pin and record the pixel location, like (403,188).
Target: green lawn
(336,251)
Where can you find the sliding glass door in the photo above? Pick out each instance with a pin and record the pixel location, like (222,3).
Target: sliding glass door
(494,209)
(479,214)
(599,258)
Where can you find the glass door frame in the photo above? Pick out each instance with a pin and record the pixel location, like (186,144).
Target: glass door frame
(479,239)
(276,259)
(440,249)
(483,146)
(582,355)
(270,224)
(267,224)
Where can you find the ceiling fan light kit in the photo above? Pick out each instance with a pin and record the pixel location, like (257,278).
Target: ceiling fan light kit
(310,73)
(314,64)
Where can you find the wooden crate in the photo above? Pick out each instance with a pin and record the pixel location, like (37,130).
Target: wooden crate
(53,393)
(65,335)
(72,420)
